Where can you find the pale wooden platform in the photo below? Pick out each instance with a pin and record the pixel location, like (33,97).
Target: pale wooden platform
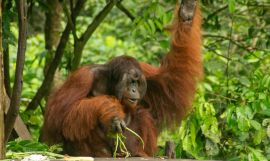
(144,159)
(140,159)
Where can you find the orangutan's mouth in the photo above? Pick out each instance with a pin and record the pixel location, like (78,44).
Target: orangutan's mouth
(133,100)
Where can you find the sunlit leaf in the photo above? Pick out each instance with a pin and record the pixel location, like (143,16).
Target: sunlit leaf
(255,124)
(259,136)
(231,5)
(256,154)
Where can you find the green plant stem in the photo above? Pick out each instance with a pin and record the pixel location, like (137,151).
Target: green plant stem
(116,145)
(120,143)
(134,133)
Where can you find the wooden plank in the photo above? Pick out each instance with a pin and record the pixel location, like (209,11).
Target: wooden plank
(145,159)
(21,129)
(121,159)
(141,159)
(19,126)
(136,159)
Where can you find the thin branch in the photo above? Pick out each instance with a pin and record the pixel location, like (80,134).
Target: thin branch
(6,71)
(125,10)
(16,94)
(216,12)
(79,46)
(77,9)
(97,20)
(230,39)
(70,21)
(71,5)
(6,7)
(214,51)
(44,88)
(235,42)
(219,95)
(228,61)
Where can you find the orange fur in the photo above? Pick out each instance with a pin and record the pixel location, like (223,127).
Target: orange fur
(81,121)
(148,70)
(59,103)
(87,113)
(171,90)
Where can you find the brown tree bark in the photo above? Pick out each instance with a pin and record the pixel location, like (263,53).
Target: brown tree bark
(6,6)
(52,29)
(52,32)
(2,94)
(17,87)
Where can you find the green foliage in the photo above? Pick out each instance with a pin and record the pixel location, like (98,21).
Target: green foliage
(231,113)
(19,149)
(230,116)
(238,131)
(28,145)
(25,145)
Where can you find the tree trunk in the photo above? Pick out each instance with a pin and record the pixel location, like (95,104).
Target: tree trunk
(2,94)
(17,87)
(52,29)
(52,36)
